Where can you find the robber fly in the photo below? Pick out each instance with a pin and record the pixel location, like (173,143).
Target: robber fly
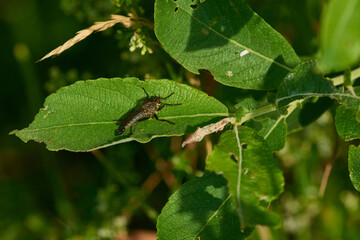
(148,108)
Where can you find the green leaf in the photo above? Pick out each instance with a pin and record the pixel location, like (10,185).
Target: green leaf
(227,38)
(201,209)
(245,106)
(347,121)
(273,131)
(347,118)
(261,179)
(301,83)
(340,36)
(354,166)
(81,117)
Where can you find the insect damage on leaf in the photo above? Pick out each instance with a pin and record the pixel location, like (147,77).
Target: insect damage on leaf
(148,108)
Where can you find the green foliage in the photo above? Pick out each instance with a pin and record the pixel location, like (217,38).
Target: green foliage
(303,82)
(242,185)
(81,117)
(348,122)
(245,106)
(347,118)
(203,209)
(339,36)
(206,36)
(354,166)
(252,173)
(273,131)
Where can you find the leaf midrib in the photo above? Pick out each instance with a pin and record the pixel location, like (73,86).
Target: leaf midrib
(317,95)
(112,122)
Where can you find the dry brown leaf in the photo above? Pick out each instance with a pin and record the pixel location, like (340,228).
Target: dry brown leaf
(200,133)
(97,27)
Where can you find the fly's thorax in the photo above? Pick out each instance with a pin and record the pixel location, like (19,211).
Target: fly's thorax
(151,105)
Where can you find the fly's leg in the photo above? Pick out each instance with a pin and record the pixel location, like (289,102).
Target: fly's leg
(133,130)
(163,120)
(162,106)
(166,97)
(147,95)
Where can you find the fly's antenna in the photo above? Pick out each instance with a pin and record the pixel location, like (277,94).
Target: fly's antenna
(147,95)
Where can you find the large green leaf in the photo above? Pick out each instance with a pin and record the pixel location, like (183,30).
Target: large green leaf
(354,166)
(252,173)
(81,117)
(225,37)
(340,35)
(303,82)
(201,209)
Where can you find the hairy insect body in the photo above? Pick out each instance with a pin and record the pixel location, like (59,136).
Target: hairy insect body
(148,108)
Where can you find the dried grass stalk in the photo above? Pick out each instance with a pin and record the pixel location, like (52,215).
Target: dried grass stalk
(200,133)
(97,27)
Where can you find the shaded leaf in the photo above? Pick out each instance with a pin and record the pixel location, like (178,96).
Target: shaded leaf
(301,83)
(81,117)
(261,178)
(309,113)
(231,41)
(201,209)
(340,36)
(347,121)
(354,166)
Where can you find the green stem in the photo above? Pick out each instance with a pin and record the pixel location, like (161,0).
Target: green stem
(340,79)
(258,112)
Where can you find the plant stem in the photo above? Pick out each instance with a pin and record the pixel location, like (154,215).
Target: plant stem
(340,79)
(258,112)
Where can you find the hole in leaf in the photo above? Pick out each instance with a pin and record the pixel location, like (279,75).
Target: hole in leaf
(233,157)
(244,146)
(176,9)
(194,6)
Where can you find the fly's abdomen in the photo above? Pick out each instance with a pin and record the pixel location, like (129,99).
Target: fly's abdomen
(135,116)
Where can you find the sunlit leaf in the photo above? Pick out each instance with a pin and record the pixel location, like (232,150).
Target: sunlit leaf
(201,209)
(227,38)
(261,179)
(273,131)
(340,35)
(81,117)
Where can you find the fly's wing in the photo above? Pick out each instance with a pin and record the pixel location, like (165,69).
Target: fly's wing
(136,115)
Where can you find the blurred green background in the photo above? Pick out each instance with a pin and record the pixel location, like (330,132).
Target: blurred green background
(111,193)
